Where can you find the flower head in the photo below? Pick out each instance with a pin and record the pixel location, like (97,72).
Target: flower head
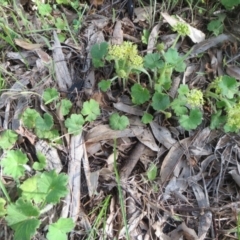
(233,114)
(181,28)
(195,98)
(127,52)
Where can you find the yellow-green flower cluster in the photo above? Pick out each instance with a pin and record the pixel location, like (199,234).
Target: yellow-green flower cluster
(195,98)
(215,85)
(233,119)
(127,52)
(181,28)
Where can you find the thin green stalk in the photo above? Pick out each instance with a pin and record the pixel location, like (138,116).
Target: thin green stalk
(99,219)
(176,40)
(121,200)
(4,190)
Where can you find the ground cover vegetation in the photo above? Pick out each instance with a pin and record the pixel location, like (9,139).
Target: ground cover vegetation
(119,119)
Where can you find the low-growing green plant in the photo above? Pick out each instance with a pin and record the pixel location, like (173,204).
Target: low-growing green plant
(23,214)
(187,105)
(152,172)
(224,99)
(101,218)
(118,122)
(229,4)
(216,26)
(42,188)
(43,126)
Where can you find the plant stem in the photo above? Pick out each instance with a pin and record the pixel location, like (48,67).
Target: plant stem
(176,40)
(120,190)
(4,190)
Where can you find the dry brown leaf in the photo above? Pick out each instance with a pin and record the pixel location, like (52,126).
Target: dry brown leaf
(128,109)
(104,132)
(117,37)
(26,45)
(163,135)
(27,134)
(233,71)
(153,38)
(148,140)
(174,155)
(142,14)
(43,56)
(209,43)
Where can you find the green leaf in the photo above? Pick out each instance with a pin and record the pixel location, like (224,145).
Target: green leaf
(64,106)
(42,162)
(118,122)
(30,190)
(54,185)
(165,80)
(145,36)
(97,62)
(74,123)
(7,139)
(229,4)
(48,134)
(44,9)
(160,101)
(152,60)
(178,107)
(60,24)
(99,51)
(171,56)
(192,121)
(63,2)
(228,86)
(152,172)
(147,118)
(227,128)
(59,229)
(217,120)
(3,210)
(183,89)
(13,163)
(29,118)
(215,26)
(45,123)
(91,110)
(23,219)
(139,94)
(180,66)
(104,85)
(50,95)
